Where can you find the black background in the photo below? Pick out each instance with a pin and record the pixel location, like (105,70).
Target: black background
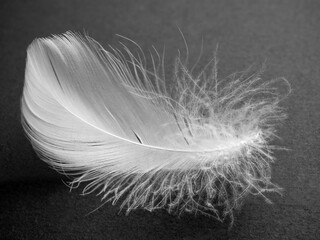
(34,202)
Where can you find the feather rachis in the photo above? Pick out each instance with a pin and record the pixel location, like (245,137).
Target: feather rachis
(202,144)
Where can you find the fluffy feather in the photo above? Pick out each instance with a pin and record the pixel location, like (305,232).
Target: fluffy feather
(199,145)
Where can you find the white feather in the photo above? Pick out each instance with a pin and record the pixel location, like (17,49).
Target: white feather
(194,146)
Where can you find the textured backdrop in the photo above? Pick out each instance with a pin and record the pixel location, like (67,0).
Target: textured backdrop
(34,202)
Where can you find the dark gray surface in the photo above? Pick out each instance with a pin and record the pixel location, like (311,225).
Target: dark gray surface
(35,204)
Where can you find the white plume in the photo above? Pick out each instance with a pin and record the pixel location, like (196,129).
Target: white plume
(198,144)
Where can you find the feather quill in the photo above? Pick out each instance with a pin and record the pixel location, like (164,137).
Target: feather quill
(198,145)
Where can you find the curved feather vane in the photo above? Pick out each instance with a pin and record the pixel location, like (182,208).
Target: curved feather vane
(103,117)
